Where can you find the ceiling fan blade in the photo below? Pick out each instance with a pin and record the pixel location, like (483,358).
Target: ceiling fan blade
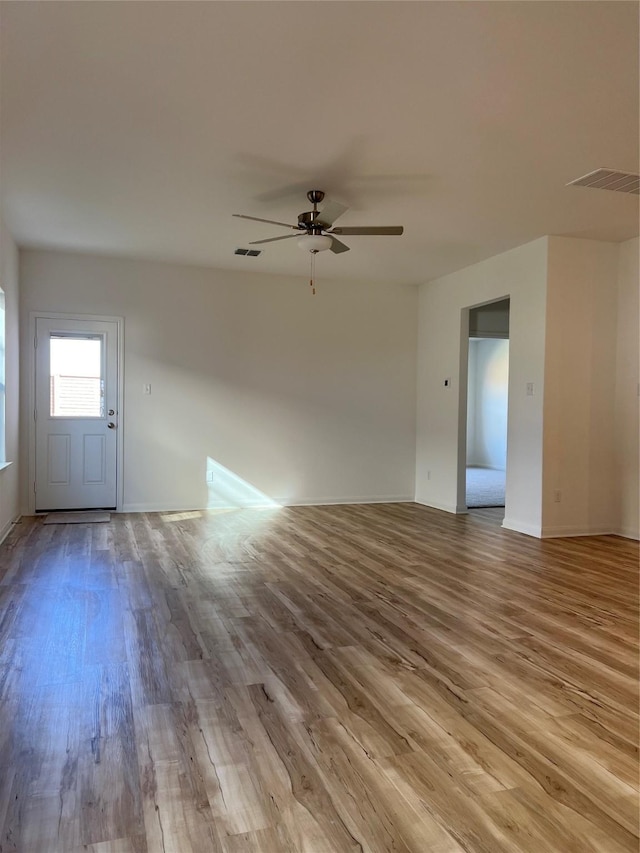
(337,247)
(331,211)
(273,239)
(270,221)
(388,229)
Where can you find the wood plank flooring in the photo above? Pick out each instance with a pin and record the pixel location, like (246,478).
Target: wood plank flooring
(316,679)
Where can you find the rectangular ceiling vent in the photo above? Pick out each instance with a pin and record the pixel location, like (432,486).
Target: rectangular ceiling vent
(609,179)
(249,253)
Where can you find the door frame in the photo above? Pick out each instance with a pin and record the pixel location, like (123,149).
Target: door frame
(463,394)
(31,467)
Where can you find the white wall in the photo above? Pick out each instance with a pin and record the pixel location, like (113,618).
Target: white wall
(520,274)
(487,403)
(580,380)
(313,399)
(10,476)
(307,399)
(574,334)
(627,463)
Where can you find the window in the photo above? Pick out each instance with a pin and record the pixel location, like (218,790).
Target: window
(76,376)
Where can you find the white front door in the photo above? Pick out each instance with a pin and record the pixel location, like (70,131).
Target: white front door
(76,397)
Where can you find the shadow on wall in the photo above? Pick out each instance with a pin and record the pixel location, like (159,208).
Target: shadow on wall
(227,490)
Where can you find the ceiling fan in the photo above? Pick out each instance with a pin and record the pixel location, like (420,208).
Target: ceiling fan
(317,227)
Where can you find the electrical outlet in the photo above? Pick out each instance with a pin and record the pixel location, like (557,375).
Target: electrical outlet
(529,389)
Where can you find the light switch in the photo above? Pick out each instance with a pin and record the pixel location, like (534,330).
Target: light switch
(146,388)
(529,389)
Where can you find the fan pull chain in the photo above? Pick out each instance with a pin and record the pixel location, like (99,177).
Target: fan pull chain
(313,273)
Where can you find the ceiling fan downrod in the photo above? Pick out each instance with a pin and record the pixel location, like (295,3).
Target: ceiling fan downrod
(307,221)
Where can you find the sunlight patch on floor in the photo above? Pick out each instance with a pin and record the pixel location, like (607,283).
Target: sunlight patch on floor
(181,516)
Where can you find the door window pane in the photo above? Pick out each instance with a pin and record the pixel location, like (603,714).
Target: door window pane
(76,376)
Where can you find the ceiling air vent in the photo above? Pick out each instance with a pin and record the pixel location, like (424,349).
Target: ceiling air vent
(250,253)
(609,179)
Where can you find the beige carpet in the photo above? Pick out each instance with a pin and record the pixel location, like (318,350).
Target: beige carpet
(485,487)
(76,517)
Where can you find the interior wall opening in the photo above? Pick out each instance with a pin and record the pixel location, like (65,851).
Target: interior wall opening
(487,409)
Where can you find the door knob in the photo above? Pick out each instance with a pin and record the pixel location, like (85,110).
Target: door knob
(111,425)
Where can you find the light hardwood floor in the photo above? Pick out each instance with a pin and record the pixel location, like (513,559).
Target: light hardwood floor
(318,679)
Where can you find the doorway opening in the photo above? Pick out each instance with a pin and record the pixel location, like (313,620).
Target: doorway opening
(487,409)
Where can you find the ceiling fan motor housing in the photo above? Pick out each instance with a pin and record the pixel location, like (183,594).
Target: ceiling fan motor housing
(309,221)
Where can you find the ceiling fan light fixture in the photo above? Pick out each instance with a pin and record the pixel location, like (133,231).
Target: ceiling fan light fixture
(315,242)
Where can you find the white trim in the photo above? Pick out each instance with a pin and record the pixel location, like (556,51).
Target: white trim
(522,527)
(626,532)
(6,530)
(463,404)
(366,499)
(31,466)
(568,530)
(274,503)
(463,399)
(455,510)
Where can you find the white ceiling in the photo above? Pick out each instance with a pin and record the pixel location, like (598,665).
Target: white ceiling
(138,128)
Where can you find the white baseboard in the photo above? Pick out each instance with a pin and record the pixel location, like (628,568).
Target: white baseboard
(6,530)
(378,499)
(452,508)
(159,507)
(592,530)
(522,527)
(627,532)
(562,531)
(261,504)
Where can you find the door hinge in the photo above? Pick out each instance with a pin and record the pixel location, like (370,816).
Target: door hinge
(35,342)
(34,487)
(35,414)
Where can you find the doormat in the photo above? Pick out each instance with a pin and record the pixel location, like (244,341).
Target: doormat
(76,517)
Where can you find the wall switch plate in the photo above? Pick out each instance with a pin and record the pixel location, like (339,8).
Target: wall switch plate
(529,389)
(146,388)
